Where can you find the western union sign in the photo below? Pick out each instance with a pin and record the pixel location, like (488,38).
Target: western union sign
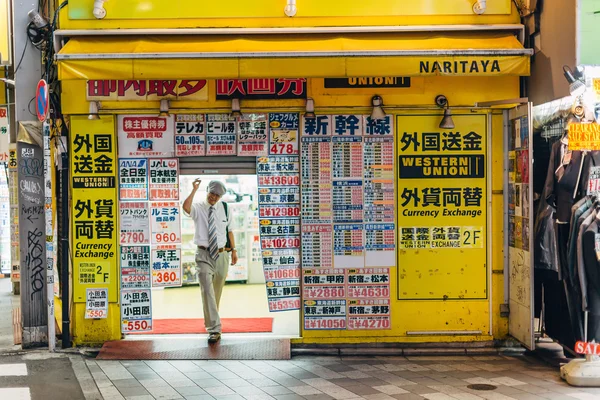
(367,82)
(451,166)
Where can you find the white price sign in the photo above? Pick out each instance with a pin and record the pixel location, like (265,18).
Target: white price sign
(166,266)
(136,310)
(165,222)
(134,222)
(96,305)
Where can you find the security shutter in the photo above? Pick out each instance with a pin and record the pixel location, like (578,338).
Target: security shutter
(217,165)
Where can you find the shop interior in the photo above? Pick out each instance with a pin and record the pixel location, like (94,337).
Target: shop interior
(244,308)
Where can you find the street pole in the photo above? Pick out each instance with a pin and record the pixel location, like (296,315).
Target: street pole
(64,241)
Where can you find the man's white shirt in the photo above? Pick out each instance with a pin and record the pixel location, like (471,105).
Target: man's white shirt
(199,214)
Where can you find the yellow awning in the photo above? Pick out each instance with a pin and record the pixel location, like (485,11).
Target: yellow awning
(291,56)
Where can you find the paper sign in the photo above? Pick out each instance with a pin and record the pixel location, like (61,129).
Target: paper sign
(134,222)
(136,310)
(164,179)
(166,266)
(96,305)
(221,137)
(133,179)
(146,136)
(165,221)
(252,135)
(190,135)
(135,267)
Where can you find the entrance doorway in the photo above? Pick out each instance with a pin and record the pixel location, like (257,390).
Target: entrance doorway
(244,309)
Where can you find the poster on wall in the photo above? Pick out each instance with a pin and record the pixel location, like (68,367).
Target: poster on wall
(136,310)
(164,179)
(221,135)
(165,222)
(146,136)
(190,135)
(279,221)
(283,133)
(253,137)
(133,179)
(96,305)
(135,267)
(442,201)
(166,266)
(134,222)
(324,314)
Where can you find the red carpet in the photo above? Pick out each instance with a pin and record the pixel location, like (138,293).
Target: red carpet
(196,325)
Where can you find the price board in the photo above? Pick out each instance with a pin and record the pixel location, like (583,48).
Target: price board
(134,222)
(325,314)
(317,246)
(371,314)
(323,283)
(283,133)
(166,266)
(279,211)
(165,222)
(280,242)
(279,195)
(164,179)
(133,179)
(283,303)
(190,135)
(136,310)
(96,305)
(279,227)
(135,267)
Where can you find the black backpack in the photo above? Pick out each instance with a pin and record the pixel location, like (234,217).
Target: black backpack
(228,244)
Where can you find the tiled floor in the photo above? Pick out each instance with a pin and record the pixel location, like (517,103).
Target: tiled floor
(325,378)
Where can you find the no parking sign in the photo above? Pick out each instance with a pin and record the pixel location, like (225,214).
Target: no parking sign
(42,100)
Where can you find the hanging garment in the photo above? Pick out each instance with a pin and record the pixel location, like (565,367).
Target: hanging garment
(592,281)
(544,245)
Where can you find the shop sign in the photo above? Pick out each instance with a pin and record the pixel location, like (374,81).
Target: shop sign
(279,195)
(166,266)
(323,283)
(190,135)
(442,197)
(136,310)
(261,89)
(147,90)
(584,136)
(325,314)
(317,245)
(13,193)
(134,223)
(4,136)
(221,130)
(252,135)
(369,314)
(279,227)
(164,179)
(283,133)
(96,305)
(146,136)
(367,82)
(133,179)
(165,222)
(94,205)
(135,267)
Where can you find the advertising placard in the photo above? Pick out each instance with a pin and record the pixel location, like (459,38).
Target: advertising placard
(166,266)
(324,314)
(274,165)
(146,136)
(133,179)
(94,205)
(96,305)
(221,135)
(369,314)
(190,135)
(442,192)
(368,283)
(134,222)
(380,245)
(279,195)
(136,310)
(252,135)
(280,242)
(283,288)
(283,133)
(164,179)
(165,222)
(279,211)
(135,267)
(283,303)
(323,283)
(317,246)
(279,227)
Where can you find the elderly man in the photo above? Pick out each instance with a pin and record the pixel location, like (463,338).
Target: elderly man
(212,222)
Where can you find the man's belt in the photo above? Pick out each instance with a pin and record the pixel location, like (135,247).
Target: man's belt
(206,248)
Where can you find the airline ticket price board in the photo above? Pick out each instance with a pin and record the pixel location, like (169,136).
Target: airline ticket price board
(279,220)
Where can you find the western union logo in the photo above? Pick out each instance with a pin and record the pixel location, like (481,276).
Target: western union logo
(423,167)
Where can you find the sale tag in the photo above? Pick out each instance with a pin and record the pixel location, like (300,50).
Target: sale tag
(96,305)
(165,222)
(134,222)
(136,310)
(166,266)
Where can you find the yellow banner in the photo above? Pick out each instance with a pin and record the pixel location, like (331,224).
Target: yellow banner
(442,200)
(584,136)
(94,206)
(5,45)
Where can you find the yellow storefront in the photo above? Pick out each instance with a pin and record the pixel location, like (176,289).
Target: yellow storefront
(445,266)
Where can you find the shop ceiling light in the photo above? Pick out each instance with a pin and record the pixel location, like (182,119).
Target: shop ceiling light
(378,111)
(235,108)
(93,111)
(576,85)
(447,122)
(310,108)
(164,108)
